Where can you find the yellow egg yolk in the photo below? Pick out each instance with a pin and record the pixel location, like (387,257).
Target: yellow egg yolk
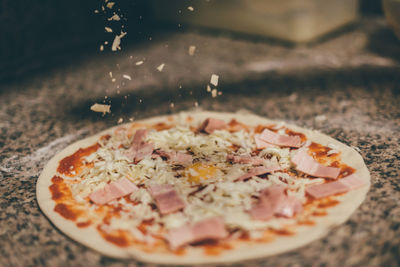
(199,171)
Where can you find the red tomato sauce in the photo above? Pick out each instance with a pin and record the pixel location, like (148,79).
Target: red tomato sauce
(293,133)
(216,249)
(67,211)
(83,224)
(117,237)
(73,164)
(235,126)
(260,128)
(161,126)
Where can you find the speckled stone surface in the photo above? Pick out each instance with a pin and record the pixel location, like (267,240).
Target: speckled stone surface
(347,86)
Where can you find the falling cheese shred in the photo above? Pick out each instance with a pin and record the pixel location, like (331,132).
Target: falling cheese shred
(161,67)
(191,50)
(114,17)
(101,108)
(214,79)
(126,76)
(214,93)
(117,41)
(110,5)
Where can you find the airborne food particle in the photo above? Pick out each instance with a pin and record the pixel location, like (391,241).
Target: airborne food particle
(115,17)
(139,63)
(190,8)
(160,68)
(320,118)
(110,5)
(117,41)
(100,108)
(192,49)
(214,79)
(126,76)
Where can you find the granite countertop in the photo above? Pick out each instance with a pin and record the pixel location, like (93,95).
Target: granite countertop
(346,85)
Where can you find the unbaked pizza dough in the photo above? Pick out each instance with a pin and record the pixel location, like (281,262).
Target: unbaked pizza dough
(302,234)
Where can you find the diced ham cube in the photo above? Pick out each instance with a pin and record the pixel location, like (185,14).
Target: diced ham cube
(176,157)
(274,202)
(352,181)
(167,199)
(261,144)
(143,151)
(268,202)
(257,171)
(289,207)
(305,163)
(279,140)
(210,125)
(139,137)
(140,149)
(245,159)
(157,189)
(208,229)
(113,191)
(343,185)
(326,189)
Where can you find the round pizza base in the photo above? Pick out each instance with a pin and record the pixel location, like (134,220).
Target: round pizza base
(304,234)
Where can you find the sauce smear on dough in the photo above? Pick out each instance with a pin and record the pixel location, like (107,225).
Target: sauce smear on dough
(117,237)
(293,133)
(67,211)
(72,165)
(83,224)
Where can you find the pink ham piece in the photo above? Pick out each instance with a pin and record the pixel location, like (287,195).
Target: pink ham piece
(210,125)
(113,191)
(280,140)
(343,185)
(208,229)
(273,201)
(245,159)
(166,197)
(139,137)
(143,151)
(257,171)
(326,189)
(305,163)
(352,181)
(140,149)
(176,157)
(289,207)
(260,144)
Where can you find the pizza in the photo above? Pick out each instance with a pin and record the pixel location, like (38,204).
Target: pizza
(201,187)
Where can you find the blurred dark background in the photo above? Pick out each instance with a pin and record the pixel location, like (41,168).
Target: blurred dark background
(38,35)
